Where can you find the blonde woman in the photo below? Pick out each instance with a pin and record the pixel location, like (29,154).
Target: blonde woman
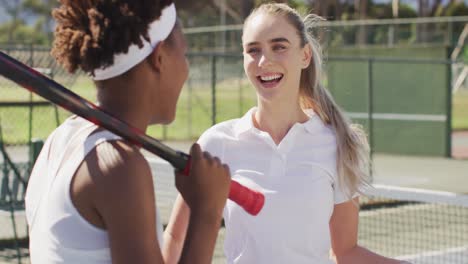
(296,147)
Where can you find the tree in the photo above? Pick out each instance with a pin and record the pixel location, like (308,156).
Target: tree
(360,6)
(455,8)
(43,10)
(209,12)
(13,9)
(422,29)
(17,29)
(22,34)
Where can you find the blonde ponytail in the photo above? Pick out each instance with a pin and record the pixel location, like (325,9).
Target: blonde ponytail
(352,146)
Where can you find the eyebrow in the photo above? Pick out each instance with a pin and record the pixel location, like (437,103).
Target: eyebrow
(274,40)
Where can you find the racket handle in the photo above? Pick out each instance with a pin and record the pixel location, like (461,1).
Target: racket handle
(252,201)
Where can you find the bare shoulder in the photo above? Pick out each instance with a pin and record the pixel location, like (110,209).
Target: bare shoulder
(118,156)
(125,200)
(117,168)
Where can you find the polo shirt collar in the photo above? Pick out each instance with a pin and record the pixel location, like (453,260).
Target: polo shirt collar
(245,123)
(314,121)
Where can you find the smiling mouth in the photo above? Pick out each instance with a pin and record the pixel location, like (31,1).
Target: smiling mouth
(270,79)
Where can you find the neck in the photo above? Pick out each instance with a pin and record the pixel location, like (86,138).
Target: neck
(125,100)
(276,119)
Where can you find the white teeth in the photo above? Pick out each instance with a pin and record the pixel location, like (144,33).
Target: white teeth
(270,77)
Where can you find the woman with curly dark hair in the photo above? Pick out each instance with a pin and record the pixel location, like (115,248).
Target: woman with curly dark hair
(90,198)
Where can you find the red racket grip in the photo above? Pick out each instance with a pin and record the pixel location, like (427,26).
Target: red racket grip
(252,201)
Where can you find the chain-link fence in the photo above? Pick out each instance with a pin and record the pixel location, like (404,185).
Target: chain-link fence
(382,94)
(421,31)
(402,103)
(217,90)
(24,116)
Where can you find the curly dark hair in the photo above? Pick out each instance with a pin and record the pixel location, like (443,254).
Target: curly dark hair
(90,32)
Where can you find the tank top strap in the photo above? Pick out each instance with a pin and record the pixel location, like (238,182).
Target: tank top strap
(97,138)
(51,168)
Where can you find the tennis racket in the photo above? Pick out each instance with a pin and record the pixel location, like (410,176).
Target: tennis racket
(252,201)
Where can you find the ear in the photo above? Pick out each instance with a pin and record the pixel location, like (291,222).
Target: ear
(306,55)
(157,58)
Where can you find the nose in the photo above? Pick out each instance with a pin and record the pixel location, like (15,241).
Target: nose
(264,60)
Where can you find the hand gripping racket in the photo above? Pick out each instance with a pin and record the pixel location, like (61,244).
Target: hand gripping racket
(252,201)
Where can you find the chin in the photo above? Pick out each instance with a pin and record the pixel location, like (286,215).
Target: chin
(269,95)
(164,114)
(164,119)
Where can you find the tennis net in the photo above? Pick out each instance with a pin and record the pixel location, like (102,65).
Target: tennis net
(419,226)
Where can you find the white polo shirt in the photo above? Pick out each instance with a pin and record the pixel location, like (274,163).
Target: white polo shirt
(299,180)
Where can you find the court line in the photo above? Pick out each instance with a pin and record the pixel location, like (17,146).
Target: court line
(434,253)
(398,117)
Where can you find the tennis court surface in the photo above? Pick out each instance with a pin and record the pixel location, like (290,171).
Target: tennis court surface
(400,216)
(416,225)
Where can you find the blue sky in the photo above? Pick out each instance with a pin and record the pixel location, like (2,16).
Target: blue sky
(4,17)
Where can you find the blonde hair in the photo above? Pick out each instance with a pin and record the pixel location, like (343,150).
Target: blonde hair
(352,147)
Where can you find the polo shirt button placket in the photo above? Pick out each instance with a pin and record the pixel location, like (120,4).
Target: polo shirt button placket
(283,157)
(283,167)
(281,164)
(276,167)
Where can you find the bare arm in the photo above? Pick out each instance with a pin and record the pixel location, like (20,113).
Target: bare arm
(344,234)
(205,191)
(176,230)
(201,237)
(125,202)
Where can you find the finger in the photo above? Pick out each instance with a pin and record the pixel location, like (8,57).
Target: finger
(217,161)
(207,155)
(195,151)
(177,172)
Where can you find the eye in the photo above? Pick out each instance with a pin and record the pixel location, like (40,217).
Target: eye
(279,47)
(253,51)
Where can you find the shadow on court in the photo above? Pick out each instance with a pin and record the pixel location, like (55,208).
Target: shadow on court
(9,251)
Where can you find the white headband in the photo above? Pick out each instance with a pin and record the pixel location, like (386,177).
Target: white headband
(158,31)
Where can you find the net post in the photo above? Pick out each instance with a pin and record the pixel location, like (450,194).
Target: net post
(370,109)
(213,89)
(448,123)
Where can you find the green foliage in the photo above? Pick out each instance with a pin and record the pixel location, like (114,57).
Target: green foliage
(208,14)
(22,34)
(384,11)
(406,11)
(300,6)
(42,9)
(456,9)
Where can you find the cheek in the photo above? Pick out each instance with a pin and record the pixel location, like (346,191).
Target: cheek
(285,60)
(181,70)
(250,67)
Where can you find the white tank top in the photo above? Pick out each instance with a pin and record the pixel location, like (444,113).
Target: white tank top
(58,233)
